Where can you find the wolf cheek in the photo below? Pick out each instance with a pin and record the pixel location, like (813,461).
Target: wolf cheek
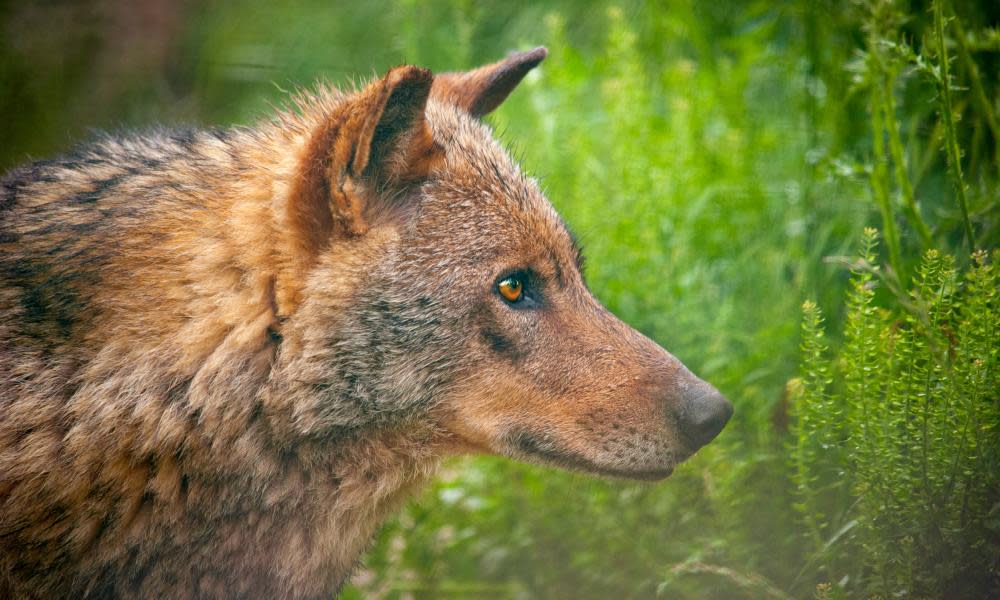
(577,388)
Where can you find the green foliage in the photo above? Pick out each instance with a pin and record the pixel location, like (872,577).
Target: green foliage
(818,433)
(709,155)
(948,118)
(895,443)
(915,442)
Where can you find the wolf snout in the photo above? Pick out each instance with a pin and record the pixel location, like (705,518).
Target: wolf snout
(704,413)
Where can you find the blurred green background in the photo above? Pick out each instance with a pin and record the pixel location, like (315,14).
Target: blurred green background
(709,155)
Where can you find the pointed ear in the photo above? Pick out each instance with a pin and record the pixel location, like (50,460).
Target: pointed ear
(375,140)
(364,149)
(481,90)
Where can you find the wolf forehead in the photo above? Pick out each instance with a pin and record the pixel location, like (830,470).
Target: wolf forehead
(480,179)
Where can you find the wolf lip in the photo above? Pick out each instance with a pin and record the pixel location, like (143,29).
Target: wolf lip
(541,449)
(650,475)
(586,466)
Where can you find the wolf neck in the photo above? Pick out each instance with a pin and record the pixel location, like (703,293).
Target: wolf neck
(337,514)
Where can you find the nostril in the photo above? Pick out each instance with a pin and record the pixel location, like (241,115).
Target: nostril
(705,414)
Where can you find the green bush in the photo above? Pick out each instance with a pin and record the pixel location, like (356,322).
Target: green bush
(896,433)
(897,436)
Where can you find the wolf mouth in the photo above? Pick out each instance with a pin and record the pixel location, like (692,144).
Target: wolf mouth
(541,449)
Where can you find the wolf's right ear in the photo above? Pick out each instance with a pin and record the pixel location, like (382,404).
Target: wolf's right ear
(481,90)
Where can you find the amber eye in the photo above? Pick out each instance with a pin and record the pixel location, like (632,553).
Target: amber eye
(511,288)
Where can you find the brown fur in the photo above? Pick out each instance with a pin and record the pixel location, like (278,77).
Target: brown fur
(226,356)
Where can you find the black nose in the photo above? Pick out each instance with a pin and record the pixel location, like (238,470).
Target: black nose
(704,414)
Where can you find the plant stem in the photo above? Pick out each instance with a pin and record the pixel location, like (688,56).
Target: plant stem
(951,142)
(899,161)
(880,172)
(978,93)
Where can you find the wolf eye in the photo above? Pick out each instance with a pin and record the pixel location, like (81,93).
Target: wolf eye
(511,288)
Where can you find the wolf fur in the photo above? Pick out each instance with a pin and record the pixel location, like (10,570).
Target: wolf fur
(226,355)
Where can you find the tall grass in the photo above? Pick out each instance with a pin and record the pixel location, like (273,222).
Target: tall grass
(896,453)
(896,446)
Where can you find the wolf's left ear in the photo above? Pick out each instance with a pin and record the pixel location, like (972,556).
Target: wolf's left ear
(369,146)
(481,90)
(376,140)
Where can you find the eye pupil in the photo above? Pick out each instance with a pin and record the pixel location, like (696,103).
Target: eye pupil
(511,289)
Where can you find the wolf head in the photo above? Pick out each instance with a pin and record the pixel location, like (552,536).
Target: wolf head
(431,279)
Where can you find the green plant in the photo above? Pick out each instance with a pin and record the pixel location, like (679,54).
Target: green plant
(948,118)
(909,425)
(895,441)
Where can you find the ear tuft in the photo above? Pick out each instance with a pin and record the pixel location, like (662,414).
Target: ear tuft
(482,90)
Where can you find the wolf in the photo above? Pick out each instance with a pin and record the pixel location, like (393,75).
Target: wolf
(227,355)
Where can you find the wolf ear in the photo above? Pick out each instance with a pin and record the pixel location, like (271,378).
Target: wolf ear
(367,147)
(375,140)
(481,90)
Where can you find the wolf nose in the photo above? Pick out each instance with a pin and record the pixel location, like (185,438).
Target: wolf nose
(705,413)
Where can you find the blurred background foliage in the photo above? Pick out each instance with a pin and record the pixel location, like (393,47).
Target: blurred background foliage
(711,156)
